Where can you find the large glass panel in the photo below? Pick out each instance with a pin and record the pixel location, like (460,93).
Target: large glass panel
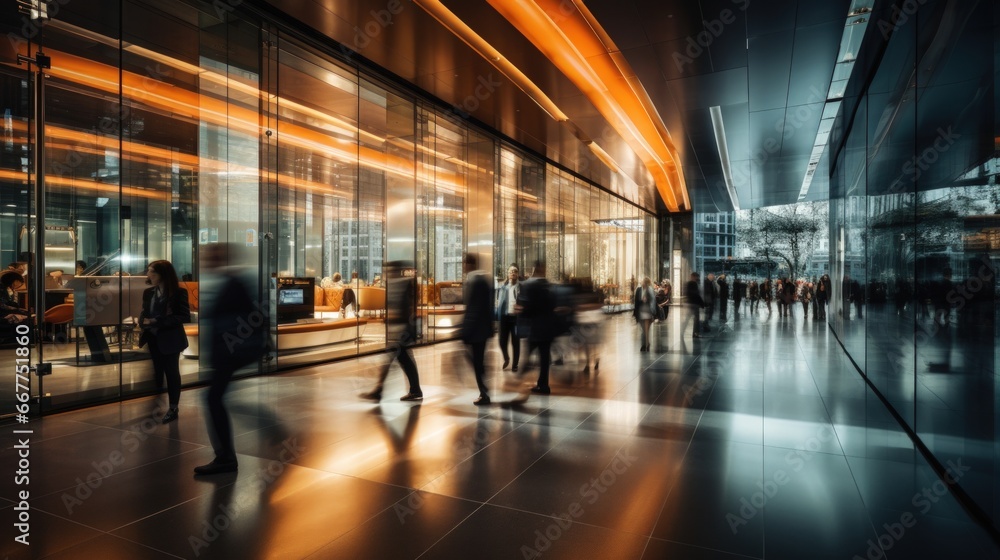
(957,207)
(443,171)
(891,227)
(849,290)
(331,192)
(87,129)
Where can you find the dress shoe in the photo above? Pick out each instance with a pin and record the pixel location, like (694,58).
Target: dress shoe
(217,467)
(482,400)
(170,416)
(514,368)
(375,395)
(541,390)
(412,397)
(505,363)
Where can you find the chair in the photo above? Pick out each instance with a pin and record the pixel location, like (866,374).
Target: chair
(60,314)
(371,299)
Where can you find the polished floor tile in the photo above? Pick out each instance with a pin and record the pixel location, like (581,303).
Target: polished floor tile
(761,441)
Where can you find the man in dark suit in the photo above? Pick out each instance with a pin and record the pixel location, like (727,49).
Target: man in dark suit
(739,293)
(237,336)
(538,309)
(477,324)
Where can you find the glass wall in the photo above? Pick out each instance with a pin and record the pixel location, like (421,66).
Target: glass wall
(915,227)
(172,125)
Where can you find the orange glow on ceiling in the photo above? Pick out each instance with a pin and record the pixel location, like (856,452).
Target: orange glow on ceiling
(581,50)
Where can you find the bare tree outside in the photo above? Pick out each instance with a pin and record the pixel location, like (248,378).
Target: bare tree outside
(787,234)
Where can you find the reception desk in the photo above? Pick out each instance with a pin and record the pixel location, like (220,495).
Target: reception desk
(297,336)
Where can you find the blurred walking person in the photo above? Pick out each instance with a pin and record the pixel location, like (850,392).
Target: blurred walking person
(538,311)
(694,303)
(722,285)
(644,310)
(739,292)
(237,337)
(477,324)
(401,330)
(708,295)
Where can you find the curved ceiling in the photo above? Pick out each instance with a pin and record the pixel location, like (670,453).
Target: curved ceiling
(765,66)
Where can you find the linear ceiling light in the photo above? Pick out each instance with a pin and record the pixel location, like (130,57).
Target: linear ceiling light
(447,18)
(723,146)
(858,18)
(605,157)
(607,81)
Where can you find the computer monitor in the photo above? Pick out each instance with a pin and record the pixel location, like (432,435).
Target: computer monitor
(291,296)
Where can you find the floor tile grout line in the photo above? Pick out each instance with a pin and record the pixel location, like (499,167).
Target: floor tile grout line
(112,475)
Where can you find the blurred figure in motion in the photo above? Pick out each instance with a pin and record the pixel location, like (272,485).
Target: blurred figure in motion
(663,296)
(401,329)
(708,296)
(644,310)
(739,294)
(723,295)
(767,293)
(165,309)
(237,336)
(477,324)
(538,311)
(506,302)
(753,294)
(590,323)
(695,303)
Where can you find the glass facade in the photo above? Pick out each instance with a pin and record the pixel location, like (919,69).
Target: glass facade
(915,237)
(171,125)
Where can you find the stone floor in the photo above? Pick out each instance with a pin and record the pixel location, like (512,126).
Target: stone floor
(760,441)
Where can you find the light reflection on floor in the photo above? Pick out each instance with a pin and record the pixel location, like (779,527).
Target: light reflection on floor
(759,442)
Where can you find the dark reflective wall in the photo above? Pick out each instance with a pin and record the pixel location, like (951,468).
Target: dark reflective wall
(915,220)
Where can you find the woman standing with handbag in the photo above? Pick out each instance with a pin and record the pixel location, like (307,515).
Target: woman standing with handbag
(165,309)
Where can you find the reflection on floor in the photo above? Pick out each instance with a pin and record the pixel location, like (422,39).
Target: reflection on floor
(78,379)
(758,442)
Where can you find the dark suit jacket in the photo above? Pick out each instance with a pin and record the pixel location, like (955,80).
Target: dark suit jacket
(170,318)
(692,294)
(237,329)
(477,325)
(401,321)
(539,305)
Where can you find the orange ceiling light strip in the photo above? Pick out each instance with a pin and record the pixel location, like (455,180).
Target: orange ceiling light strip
(604,76)
(447,18)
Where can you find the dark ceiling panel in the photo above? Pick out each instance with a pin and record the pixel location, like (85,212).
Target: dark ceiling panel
(820,11)
(799,129)
(769,16)
(769,68)
(665,21)
(813,58)
(720,88)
